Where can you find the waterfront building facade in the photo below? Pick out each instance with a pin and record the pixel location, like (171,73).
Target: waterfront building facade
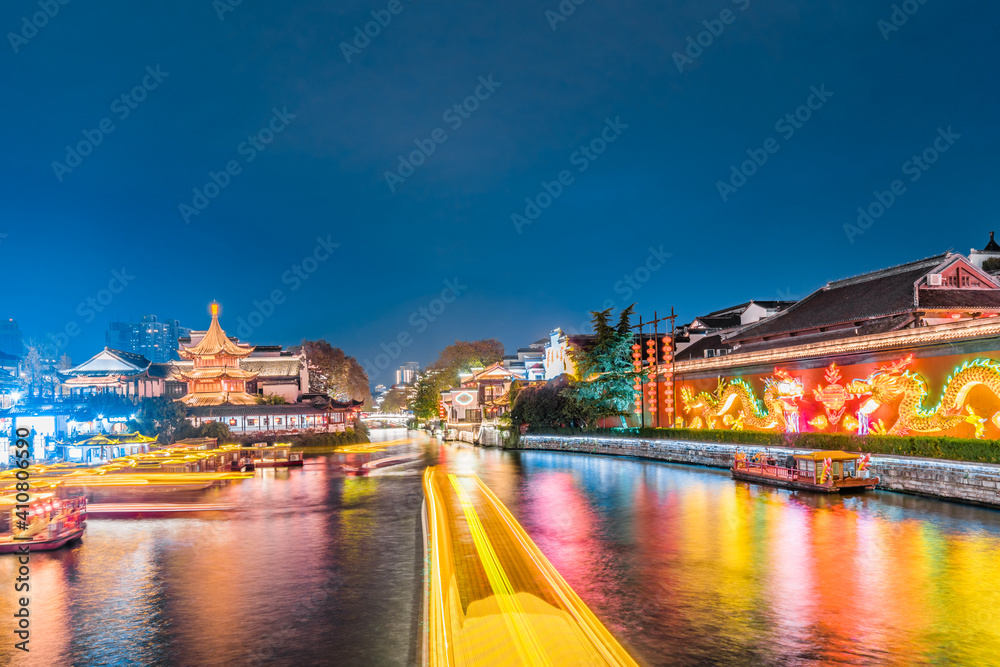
(913,349)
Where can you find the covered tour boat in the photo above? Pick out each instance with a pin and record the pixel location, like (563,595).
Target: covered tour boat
(262,455)
(46,523)
(826,472)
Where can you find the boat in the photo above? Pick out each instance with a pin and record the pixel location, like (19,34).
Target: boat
(263,455)
(50,522)
(824,471)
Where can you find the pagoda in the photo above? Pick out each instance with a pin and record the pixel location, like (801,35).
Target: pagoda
(216,378)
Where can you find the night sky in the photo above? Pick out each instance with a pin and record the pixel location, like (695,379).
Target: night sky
(673,124)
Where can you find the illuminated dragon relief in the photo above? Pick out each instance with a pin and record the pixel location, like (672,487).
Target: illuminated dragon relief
(780,395)
(886,384)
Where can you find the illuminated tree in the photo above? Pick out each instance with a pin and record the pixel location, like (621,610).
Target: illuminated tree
(333,373)
(606,373)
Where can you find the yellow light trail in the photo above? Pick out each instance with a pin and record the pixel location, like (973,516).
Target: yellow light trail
(493,598)
(525,641)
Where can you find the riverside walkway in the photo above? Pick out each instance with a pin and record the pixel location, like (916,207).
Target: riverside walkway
(493,598)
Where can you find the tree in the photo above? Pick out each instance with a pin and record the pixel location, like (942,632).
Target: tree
(333,373)
(459,357)
(65,362)
(395,400)
(271,399)
(32,372)
(160,415)
(606,375)
(991,265)
(462,355)
(427,395)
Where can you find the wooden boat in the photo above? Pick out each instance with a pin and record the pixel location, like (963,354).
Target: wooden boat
(825,471)
(51,522)
(262,455)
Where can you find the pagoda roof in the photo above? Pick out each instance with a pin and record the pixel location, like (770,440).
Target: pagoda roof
(215,342)
(213,374)
(218,398)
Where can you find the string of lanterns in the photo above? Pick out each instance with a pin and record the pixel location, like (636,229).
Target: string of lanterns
(637,386)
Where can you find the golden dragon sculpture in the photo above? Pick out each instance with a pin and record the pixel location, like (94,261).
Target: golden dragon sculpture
(767,414)
(886,384)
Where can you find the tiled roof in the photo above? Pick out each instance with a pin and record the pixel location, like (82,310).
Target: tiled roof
(882,325)
(868,296)
(130,357)
(272,366)
(726,322)
(255,410)
(959,298)
(696,350)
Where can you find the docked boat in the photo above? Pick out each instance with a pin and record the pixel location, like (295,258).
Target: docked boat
(46,523)
(826,471)
(262,455)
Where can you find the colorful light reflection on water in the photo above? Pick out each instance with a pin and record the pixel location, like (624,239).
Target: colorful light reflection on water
(690,567)
(684,565)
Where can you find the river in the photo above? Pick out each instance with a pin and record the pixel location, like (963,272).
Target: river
(683,564)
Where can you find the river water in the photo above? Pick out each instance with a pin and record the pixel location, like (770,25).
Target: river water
(683,564)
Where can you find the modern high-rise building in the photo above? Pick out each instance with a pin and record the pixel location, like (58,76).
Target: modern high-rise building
(155,340)
(407,373)
(11,341)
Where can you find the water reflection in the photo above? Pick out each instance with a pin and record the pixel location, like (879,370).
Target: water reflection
(690,567)
(683,564)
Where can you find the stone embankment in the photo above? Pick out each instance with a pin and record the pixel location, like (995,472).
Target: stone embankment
(977,483)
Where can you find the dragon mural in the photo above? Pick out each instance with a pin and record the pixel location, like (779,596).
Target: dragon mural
(850,405)
(888,383)
(774,412)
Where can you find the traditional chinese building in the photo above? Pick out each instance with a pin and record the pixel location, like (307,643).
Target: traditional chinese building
(216,377)
(912,349)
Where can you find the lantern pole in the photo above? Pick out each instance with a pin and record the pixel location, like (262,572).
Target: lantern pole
(656,375)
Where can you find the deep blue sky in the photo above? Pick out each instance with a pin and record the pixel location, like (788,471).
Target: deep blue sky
(781,234)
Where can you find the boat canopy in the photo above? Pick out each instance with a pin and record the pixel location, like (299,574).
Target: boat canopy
(833,456)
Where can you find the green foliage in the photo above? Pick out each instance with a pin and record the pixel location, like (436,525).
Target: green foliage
(209,430)
(317,440)
(427,396)
(271,399)
(957,449)
(540,407)
(395,400)
(462,356)
(161,416)
(607,376)
(992,264)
